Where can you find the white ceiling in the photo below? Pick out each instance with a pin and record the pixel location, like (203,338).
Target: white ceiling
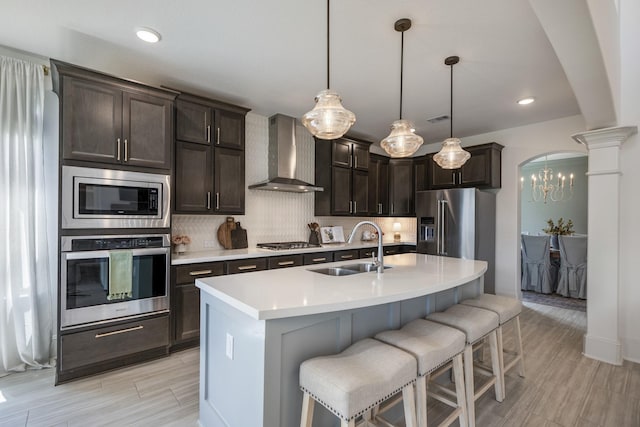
(270,55)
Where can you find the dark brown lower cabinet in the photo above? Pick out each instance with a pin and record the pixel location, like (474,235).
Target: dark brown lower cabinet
(185,301)
(246,265)
(346,255)
(285,261)
(317,258)
(92,350)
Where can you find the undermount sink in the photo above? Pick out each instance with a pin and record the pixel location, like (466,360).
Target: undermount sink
(335,271)
(346,270)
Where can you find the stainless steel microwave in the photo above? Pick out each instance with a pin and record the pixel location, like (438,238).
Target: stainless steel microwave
(107,198)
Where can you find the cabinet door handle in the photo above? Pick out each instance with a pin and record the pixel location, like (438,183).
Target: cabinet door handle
(454,177)
(218,136)
(355,206)
(217,201)
(118,157)
(208,200)
(350,206)
(247,267)
(200,272)
(350,161)
(286,262)
(393,208)
(356,162)
(208,133)
(318,259)
(460,177)
(380,208)
(120,331)
(346,256)
(126,150)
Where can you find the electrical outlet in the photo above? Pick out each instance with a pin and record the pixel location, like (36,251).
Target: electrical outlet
(229,350)
(209,243)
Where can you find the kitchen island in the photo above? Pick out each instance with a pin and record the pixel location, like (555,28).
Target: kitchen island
(256,328)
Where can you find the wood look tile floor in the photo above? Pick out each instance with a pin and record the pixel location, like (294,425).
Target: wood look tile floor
(562,388)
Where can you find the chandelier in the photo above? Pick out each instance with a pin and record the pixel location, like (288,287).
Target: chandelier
(545,186)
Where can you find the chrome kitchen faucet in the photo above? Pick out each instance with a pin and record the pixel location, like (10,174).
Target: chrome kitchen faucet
(379,259)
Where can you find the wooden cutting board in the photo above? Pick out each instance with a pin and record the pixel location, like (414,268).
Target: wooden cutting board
(224,232)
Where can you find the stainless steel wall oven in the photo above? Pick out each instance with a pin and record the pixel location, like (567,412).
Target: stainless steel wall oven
(90,266)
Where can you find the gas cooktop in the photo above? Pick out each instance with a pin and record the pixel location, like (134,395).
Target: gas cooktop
(280,246)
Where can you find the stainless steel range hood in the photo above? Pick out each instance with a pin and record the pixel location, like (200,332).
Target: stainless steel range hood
(282,158)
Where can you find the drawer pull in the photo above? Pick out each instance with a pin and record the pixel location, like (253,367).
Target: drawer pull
(346,256)
(319,259)
(120,331)
(286,262)
(247,267)
(200,272)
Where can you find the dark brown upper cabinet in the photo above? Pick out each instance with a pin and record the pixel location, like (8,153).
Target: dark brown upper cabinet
(482,170)
(208,123)
(342,169)
(210,162)
(401,187)
(378,185)
(113,121)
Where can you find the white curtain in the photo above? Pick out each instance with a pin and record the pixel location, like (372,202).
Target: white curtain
(26,321)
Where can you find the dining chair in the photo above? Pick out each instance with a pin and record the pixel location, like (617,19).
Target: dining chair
(572,281)
(538,274)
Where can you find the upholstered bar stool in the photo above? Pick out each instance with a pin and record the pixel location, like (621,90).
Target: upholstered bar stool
(477,324)
(437,348)
(508,310)
(351,383)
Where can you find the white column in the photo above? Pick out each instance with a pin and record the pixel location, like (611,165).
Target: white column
(602,341)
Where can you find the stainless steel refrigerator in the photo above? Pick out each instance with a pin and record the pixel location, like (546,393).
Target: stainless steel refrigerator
(460,223)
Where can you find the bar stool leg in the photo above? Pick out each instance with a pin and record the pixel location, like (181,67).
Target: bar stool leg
(307,410)
(518,335)
(409,403)
(469,384)
(421,399)
(460,390)
(501,358)
(495,364)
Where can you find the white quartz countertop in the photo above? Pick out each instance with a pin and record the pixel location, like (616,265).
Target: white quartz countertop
(233,254)
(298,291)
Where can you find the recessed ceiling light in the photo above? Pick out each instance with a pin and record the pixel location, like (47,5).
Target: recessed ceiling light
(526,101)
(148,35)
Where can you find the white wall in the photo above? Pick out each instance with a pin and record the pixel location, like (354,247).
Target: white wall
(630,159)
(521,145)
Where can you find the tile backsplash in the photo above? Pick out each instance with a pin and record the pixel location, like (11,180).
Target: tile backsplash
(272,216)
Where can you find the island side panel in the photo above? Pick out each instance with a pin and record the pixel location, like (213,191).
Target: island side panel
(231,390)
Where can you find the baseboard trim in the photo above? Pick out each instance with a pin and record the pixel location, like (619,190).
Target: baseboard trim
(603,349)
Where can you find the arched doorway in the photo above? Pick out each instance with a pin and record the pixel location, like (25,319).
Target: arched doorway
(558,196)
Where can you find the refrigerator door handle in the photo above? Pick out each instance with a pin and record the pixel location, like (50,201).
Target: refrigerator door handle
(443,250)
(438,219)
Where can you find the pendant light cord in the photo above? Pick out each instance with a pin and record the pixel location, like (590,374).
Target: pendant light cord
(451,106)
(401,68)
(328,41)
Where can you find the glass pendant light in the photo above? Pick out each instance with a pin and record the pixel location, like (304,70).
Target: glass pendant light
(451,156)
(402,141)
(328,119)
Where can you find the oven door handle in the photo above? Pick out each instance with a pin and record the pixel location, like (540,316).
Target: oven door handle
(105,254)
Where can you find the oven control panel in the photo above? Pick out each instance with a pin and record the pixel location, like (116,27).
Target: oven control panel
(110,243)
